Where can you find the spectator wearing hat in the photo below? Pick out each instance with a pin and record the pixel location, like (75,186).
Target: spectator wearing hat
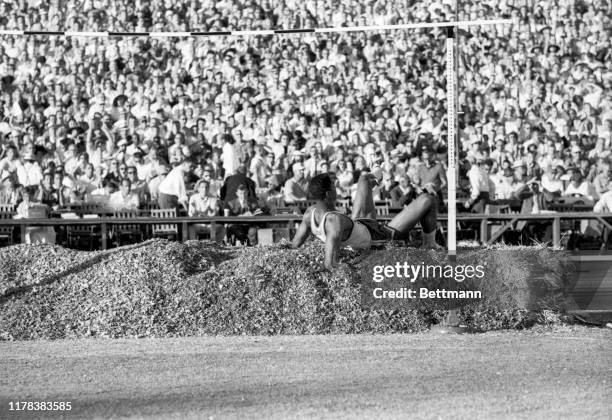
(480,186)
(295,187)
(153,184)
(172,191)
(204,204)
(29,172)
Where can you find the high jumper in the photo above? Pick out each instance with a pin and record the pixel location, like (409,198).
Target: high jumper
(338,230)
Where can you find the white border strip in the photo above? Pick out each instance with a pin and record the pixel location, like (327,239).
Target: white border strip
(170,34)
(87,34)
(424,25)
(10,32)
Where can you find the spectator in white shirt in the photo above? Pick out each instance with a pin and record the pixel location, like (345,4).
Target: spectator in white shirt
(153,185)
(551,179)
(124,199)
(604,204)
(311,164)
(295,187)
(203,204)
(578,187)
(29,173)
(172,190)
(502,184)
(480,186)
(602,181)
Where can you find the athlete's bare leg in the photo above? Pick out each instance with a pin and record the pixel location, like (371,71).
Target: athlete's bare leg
(363,205)
(423,209)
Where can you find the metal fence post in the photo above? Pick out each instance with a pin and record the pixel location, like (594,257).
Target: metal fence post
(185,231)
(484,231)
(103,235)
(213,231)
(556,232)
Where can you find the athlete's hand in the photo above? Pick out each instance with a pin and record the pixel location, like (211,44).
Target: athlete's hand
(429,187)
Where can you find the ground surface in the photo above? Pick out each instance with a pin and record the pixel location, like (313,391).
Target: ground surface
(556,374)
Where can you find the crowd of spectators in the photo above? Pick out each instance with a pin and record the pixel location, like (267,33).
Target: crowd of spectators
(238,125)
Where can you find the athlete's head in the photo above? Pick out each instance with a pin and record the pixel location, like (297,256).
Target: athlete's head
(322,188)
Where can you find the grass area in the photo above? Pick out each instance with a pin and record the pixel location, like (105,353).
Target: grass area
(559,372)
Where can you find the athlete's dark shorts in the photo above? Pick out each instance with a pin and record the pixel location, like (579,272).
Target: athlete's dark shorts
(379,231)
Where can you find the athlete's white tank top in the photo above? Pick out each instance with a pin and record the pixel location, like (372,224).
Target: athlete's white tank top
(359,238)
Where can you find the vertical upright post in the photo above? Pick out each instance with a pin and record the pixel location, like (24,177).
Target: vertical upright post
(451,323)
(451,98)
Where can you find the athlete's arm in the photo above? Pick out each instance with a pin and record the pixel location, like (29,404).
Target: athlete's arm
(333,238)
(443,180)
(303,231)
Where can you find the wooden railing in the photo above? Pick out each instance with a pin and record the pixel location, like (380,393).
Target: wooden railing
(290,220)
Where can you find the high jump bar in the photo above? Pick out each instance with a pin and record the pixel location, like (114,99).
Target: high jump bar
(423,25)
